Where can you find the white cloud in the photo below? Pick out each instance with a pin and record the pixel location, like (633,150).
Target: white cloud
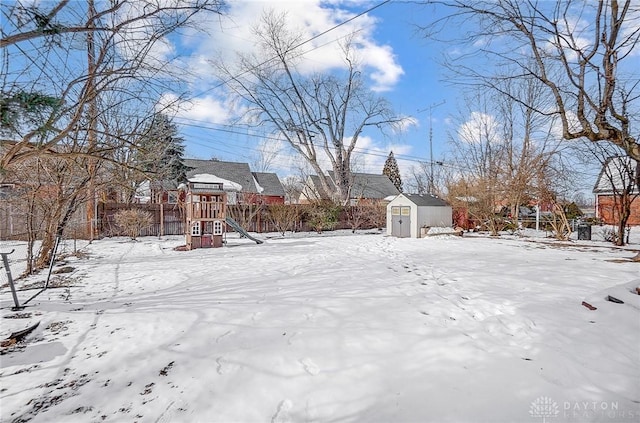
(406,123)
(204,109)
(479,128)
(233,33)
(370,156)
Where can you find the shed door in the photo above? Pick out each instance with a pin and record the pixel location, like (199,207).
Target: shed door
(401,221)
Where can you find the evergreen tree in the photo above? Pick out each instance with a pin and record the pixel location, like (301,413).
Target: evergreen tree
(162,150)
(392,171)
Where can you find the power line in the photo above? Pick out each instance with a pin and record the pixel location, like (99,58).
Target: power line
(265,136)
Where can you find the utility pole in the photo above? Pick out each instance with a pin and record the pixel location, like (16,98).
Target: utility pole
(92,119)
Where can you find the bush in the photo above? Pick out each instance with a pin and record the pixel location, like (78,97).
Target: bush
(323,217)
(133,221)
(283,216)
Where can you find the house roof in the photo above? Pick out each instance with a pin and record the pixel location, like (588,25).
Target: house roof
(616,172)
(313,190)
(426,200)
(370,186)
(270,184)
(240,173)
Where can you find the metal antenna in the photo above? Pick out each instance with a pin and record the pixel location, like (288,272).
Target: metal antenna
(431,107)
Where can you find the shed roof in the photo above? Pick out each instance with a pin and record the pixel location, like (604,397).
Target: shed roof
(240,173)
(426,200)
(270,183)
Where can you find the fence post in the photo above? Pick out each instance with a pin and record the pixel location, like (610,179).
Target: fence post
(5,262)
(53,258)
(161,219)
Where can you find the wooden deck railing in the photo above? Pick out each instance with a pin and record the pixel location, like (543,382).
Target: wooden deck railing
(206,210)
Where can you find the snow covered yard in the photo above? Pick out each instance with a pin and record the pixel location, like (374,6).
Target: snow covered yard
(352,328)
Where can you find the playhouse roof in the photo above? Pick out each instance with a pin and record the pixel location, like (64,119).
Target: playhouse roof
(213,179)
(239,173)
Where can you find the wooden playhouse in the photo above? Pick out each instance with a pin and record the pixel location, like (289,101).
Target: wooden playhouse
(205,205)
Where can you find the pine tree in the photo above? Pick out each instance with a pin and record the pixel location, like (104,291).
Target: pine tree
(162,151)
(392,171)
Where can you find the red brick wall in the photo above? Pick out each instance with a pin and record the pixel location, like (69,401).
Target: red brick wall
(609,216)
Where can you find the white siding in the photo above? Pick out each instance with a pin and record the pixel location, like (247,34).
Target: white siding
(403,201)
(432,216)
(440,216)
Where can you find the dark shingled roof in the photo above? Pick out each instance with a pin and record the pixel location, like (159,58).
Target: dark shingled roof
(239,173)
(426,200)
(270,183)
(372,186)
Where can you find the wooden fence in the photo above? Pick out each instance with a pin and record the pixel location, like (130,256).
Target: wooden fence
(169,219)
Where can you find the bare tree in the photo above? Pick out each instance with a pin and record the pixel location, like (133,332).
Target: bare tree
(617,177)
(73,61)
(321,116)
(506,156)
(293,186)
(423,174)
(68,70)
(582,52)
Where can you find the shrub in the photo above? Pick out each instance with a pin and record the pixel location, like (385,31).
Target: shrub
(133,221)
(323,217)
(283,216)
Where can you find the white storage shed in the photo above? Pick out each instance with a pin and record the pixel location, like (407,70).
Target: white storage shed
(407,213)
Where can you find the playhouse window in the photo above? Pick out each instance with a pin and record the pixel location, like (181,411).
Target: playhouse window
(195,229)
(217,227)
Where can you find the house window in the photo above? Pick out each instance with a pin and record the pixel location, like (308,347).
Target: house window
(172,197)
(195,229)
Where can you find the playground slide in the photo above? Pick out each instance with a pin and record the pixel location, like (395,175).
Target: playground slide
(236,227)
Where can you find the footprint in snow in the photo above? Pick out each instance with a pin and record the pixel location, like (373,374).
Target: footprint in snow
(174,409)
(227,333)
(309,366)
(219,367)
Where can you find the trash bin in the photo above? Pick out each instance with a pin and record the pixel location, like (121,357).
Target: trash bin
(584,232)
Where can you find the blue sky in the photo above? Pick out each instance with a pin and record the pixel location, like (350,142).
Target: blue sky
(401,65)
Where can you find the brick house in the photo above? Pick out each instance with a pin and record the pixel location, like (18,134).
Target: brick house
(616,174)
